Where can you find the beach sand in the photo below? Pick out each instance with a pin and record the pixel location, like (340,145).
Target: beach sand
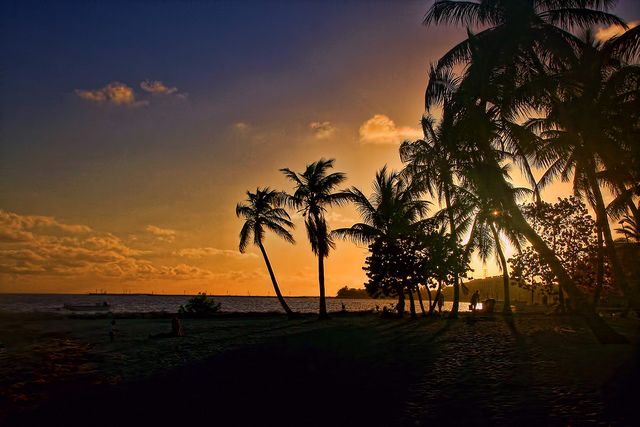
(355,369)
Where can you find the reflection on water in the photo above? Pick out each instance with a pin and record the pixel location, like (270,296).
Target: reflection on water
(170,303)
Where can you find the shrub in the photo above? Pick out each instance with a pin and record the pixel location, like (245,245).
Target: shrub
(200,305)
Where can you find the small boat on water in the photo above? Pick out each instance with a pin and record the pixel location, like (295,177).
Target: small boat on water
(104,306)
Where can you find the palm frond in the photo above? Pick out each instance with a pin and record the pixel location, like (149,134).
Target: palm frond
(459,13)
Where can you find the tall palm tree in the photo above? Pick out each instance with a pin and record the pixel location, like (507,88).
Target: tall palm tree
(590,132)
(263,210)
(485,130)
(314,191)
(392,211)
(488,221)
(431,163)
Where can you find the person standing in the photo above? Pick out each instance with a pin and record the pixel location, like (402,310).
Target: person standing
(475,299)
(440,302)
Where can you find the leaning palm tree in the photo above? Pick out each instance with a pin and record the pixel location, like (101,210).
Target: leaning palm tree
(518,42)
(313,193)
(263,209)
(590,132)
(393,210)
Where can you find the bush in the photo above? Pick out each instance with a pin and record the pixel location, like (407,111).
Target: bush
(200,305)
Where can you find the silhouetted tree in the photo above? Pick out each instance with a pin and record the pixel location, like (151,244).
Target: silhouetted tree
(401,265)
(569,230)
(263,209)
(431,164)
(520,42)
(313,193)
(393,210)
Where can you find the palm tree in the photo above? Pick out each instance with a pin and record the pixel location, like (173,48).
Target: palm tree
(485,130)
(313,193)
(590,131)
(517,37)
(629,228)
(263,209)
(432,163)
(488,221)
(393,211)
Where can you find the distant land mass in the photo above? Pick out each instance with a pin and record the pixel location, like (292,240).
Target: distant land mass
(489,287)
(353,293)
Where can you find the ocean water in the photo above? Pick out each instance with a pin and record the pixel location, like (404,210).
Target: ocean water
(53,303)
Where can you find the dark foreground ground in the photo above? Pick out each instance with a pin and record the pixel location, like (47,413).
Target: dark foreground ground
(351,370)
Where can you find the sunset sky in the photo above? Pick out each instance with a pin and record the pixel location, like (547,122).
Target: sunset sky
(130,130)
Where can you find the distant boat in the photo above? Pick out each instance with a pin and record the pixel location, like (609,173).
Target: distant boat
(88,307)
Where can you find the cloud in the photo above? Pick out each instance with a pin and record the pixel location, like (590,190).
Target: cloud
(44,246)
(338,218)
(164,234)
(322,130)
(156,86)
(208,251)
(115,93)
(380,129)
(241,127)
(20,228)
(604,34)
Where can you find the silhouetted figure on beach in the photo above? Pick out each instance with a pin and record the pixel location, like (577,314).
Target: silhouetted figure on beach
(344,309)
(113,331)
(176,330)
(440,302)
(475,299)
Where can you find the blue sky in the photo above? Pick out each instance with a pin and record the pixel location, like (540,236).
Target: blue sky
(241,90)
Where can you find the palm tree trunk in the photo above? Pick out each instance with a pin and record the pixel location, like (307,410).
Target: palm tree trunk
(452,229)
(283,303)
(472,235)
(603,222)
(599,269)
(420,300)
(412,304)
(505,272)
(400,306)
(603,332)
(323,303)
(432,305)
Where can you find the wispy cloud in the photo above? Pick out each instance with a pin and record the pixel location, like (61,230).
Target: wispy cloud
(44,246)
(20,228)
(241,127)
(322,130)
(380,129)
(115,93)
(164,234)
(604,34)
(337,218)
(156,86)
(208,251)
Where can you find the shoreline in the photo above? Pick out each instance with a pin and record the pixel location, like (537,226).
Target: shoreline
(93,294)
